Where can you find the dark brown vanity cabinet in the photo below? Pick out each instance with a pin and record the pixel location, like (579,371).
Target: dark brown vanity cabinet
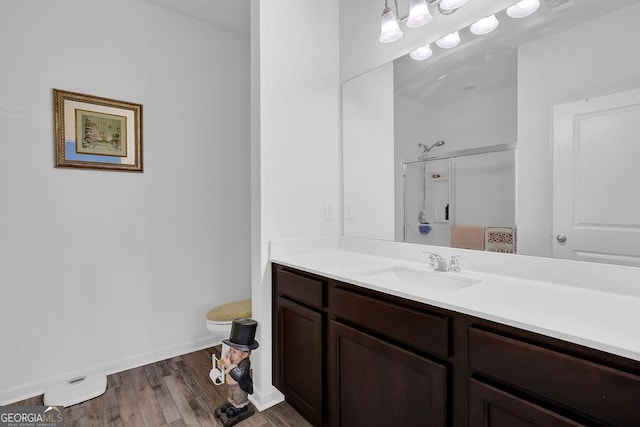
(374,383)
(377,374)
(344,358)
(298,342)
(348,356)
(583,384)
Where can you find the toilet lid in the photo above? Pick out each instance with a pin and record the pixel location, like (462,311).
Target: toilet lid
(230,311)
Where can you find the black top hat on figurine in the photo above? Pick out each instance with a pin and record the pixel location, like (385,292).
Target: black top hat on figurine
(243,334)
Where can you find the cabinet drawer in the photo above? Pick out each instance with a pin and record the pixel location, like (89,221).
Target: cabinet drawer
(599,391)
(491,407)
(419,330)
(298,287)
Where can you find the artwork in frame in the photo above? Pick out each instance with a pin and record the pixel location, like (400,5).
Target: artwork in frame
(97,133)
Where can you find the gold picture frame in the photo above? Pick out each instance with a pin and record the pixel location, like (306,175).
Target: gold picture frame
(92,132)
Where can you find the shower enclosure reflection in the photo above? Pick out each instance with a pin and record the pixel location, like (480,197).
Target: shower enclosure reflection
(426,148)
(468,191)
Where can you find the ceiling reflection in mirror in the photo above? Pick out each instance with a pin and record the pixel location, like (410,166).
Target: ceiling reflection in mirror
(500,102)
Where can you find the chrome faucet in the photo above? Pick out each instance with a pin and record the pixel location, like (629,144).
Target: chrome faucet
(438,262)
(454,263)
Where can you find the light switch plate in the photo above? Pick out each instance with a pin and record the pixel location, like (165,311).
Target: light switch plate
(348,209)
(329,210)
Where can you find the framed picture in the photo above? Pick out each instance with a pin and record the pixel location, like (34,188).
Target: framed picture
(97,133)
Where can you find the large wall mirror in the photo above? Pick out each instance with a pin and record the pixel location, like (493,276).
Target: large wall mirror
(531,131)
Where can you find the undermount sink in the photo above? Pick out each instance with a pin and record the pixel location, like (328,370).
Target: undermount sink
(416,281)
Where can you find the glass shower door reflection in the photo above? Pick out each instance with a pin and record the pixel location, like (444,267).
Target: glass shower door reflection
(427,201)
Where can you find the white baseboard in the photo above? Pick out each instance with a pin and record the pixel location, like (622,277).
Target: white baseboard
(27,391)
(264,400)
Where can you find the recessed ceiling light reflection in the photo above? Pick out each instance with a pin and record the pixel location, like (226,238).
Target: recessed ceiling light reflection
(523,8)
(484,25)
(449,41)
(421,53)
(451,4)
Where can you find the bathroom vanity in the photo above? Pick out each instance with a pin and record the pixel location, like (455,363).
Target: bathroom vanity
(348,352)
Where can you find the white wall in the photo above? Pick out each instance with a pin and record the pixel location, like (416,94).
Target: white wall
(295,144)
(109,270)
(589,60)
(485,190)
(368,150)
(475,122)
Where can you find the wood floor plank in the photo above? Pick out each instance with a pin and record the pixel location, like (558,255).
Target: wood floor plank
(199,401)
(110,415)
(181,401)
(151,412)
(256,420)
(165,401)
(283,415)
(95,410)
(199,384)
(163,367)
(130,413)
(177,423)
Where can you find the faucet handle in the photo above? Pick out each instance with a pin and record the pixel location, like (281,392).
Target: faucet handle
(454,263)
(433,256)
(437,261)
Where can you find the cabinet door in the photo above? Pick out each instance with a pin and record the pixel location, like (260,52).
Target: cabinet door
(491,407)
(374,383)
(298,355)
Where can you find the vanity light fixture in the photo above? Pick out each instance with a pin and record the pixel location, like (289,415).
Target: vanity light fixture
(419,14)
(523,8)
(484,25)
(421,53)
(449,41)
(389,29)
(451,5)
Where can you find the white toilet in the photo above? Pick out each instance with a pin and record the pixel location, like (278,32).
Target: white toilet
(219,318)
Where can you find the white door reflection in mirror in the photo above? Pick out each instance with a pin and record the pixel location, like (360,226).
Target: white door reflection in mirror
(597,179)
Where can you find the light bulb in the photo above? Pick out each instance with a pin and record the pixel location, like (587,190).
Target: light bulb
(421,53)
(449,41)
(389,29)
(419,14)
(451,4)
(484,25)
(523,8)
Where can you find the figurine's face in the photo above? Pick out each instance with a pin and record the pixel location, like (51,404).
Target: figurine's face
(236,355)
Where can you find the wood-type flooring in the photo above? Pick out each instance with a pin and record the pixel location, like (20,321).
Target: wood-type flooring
(175,392)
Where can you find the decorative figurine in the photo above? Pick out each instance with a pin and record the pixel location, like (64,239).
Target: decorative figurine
(237,366)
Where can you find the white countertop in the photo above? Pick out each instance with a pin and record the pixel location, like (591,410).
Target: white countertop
(594,318)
